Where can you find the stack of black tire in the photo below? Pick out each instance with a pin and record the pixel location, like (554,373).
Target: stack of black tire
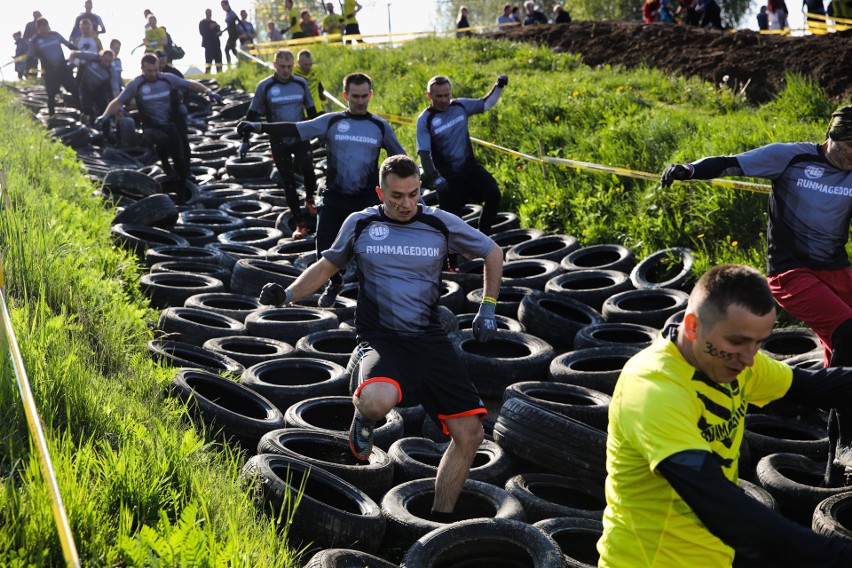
(274,381)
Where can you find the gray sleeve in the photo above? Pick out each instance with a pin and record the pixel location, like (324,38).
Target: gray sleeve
(472,106)
(341,250)
(390,143)
(771,160)
(463,238)
(424,139)
(316,127)
(129,92)
(257,103)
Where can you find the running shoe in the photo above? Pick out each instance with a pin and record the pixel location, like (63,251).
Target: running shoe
(361,437)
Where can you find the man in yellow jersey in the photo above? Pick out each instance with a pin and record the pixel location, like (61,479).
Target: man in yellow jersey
(332,23)
(350,24)
(306,69)
(676,422)
(294,23)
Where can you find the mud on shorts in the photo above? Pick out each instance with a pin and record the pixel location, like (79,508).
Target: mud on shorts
(424,370)
(820,298)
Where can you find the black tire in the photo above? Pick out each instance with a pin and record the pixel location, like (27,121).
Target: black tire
(217,272)
(548,439)
(249,351)
(248,209)
(138,238)
(197,326)
(205,219)
(492,542)
(556,318)
(508,299)
(465,321)
(125,180)
(231,254)
(758,493)
(784,343)
(251,166)
(343,308)
(156,210)
(667,268)
(178,354)
(769,434)
(595,368)
(452,297)
(505,221)
(832,515)
(331,512)
(651,307)
(591,287)
(511,237)
(813,361)
(165,253)
(333,414)
(601,257)
(614,334)
(331,452)
(577,539)
(251,274)
(334,345)
(794,481)
(289,380)
(342,557)
(223,405)
(211,198)
(406,508)
(261,237)
(508,358)
(166,289)
(581,403)
(533,273)
(195,235)
(548,495)
(418,458)
(213,150)
(289,324)
(237,306)
(551,247)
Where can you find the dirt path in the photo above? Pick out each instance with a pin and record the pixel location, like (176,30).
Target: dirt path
(757,61)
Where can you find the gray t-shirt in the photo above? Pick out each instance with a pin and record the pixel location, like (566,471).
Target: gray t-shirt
(446,136)
(154,98)
(354,144)
(399,266)
(810,206)
(282,101)
(49,50)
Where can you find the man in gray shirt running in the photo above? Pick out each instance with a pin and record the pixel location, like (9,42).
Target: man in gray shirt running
(354,139)
(403,354)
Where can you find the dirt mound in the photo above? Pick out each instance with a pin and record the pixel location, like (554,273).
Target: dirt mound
(750,60)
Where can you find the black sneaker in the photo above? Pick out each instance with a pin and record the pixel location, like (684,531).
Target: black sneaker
(329,295)
(361,437)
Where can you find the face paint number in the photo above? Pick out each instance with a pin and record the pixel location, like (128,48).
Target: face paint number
(711,350)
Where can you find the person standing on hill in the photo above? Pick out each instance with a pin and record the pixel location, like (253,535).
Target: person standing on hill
(248,34)
(283,97)
(97,23)
(307,70)
(462,25)
(446,153)
(350,23)
(403,354)
(294,22)
(676,424)
(354,139)
(809,211)
(561,15)
(234,28)
(534,16)
(505,19)
(156,37)
(22,47)
(210,32)
(332,23)
(46,45)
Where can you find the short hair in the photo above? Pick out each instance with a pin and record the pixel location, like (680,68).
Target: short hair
(86,19)
(150,58)
(42,21)
(107,52)
(305,53)
(356,79)
(840,126)
(113,42)
(728,284)
(438,80)
(400,166)
(284,54)
(161,54)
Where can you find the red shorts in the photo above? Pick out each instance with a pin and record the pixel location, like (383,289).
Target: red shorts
(820,298)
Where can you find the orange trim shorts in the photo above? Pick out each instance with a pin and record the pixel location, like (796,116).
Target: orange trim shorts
(425,370)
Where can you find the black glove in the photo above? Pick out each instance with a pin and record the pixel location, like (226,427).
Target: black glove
(440,184)
(274,294)
(676,171)
(100,121)
(244,148)
(502,81)
(484,324)
(245,128)
(215,97)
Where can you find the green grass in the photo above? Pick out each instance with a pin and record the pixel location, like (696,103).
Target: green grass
(141,485)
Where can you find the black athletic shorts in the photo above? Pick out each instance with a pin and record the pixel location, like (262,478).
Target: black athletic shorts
(424,370)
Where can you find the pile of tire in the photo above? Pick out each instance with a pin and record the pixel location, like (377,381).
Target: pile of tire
(274,381)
